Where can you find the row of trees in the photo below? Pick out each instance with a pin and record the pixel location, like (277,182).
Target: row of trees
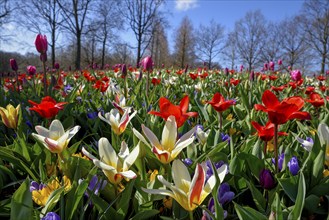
(91,29)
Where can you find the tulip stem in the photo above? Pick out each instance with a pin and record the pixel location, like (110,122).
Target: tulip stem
(17,81)
(190,213)
(220,118)
(276,147)
(44,78)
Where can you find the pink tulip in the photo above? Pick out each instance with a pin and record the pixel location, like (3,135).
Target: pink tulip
(296,75)
(31,70)
(147,63)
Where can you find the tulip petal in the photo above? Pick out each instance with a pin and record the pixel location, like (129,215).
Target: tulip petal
(151,137)
(269,99)
(196,185)
(131,158)
(169,134)
(56,129)
(107,153)
(159,192)
(42,131)
(180,174)
(89,155)
(140,137)
(104,166)
(323,133)
(181,145)
(184,104)
(124,150)
(128,174)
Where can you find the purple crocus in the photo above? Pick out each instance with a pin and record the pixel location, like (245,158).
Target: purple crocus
(51,216)
(293,166)
(187,161)
(280,161)
(36,186)
(225,137)
(95,185)
(209,171)
(225,195)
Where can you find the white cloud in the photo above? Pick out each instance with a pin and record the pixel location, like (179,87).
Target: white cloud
(184,5)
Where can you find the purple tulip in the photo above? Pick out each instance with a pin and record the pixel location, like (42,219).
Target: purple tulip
(41,43)
(13,64)
(147,63)
(226,71)
(31,70)
(252,76)
(51,216)
(56,65)
(266,179)
(124,70)
(293,166)
(296,75)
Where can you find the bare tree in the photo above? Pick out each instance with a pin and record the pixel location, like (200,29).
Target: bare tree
(230,51)
(184,43)
(249,37)
(159,48)
(272,49)
(209,41)
(42,17)
(75,13)
(6,10)
(293,40)
(316,23)
(141,15)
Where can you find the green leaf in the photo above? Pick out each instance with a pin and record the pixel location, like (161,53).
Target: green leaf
(312,202)
(300,200)
(202,109)
(126,197)
(276,207)
(52,200)
(21,203)
(146,214)
(257,197)
(289,186)
(247,213)
(317,174)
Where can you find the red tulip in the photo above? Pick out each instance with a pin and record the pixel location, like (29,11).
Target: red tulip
(179,111)
(315,99)
(48,108)
(280,112)
(219,103)
(31,70)
(41,43)
(265,133)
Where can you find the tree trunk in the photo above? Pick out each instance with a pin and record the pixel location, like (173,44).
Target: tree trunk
(139,45)
(78,55)
(53,35)
(103,53)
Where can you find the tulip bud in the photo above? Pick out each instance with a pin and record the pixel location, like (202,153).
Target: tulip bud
(265,67)
(266,179)
(293,166)
(252,76)
(56,66)
(13,64)
(31,70)
(296,75)
(10,115)
(124,70)
(41,43)
(147,63)
(280,62)
(226,71)
(43,57)
(271,66)
(241,68)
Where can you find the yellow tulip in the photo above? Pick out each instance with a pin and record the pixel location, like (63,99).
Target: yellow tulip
(9,116)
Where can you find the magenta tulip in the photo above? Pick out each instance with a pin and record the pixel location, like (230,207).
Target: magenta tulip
(41,43)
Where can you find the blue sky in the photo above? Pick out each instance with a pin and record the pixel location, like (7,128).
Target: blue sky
(225,12)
